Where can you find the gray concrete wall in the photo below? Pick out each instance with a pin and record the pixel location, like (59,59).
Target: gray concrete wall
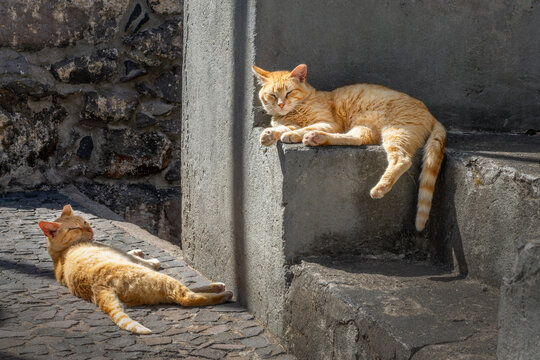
(230,207)
(473,62)
(245,208)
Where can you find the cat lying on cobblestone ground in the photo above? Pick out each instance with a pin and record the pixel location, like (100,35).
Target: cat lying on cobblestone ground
(109,277)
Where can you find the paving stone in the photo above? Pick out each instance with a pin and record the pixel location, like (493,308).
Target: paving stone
(209,353)
(217,330)
(256,341)
(35,350)
(66,324)
(228,347)
(206,316)
(157,340)
(12,334)
(251,331)
(9,343)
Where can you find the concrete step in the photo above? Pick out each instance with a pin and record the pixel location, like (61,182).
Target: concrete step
(356,308)
(487,196)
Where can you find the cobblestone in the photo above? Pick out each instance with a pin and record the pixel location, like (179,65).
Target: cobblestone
(40,319)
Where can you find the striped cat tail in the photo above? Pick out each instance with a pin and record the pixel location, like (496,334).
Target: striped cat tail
(109,303)
(431,164)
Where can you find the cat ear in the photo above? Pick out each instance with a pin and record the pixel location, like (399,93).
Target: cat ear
(67,210)
(262,75)
(300,72)
(49,228)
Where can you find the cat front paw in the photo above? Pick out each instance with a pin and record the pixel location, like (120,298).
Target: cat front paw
(291,137)
(314,138)
(154,263)
(267,137)
(137,252)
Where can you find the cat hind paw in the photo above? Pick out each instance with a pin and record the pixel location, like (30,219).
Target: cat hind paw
(379,191)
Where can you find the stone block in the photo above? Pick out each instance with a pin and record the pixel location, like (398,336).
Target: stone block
(12,62)
(161,42)
(354,308)
(42,23)
(487,198)
(84,69)
(107,107)
(519,309)
(127,153)
(327,209)
(167,7)
(169,85)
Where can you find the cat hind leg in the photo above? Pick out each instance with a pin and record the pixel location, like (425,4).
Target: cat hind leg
(358,135)
(180,294)
(399,161)
(217,287)
(191,298)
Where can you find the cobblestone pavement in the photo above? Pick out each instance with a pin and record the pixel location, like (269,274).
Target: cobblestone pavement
(40,319)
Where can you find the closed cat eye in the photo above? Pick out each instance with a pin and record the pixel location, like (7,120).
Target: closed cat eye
(289,93)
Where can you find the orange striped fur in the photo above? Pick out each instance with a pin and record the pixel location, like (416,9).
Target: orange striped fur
(109,277)
(360,114)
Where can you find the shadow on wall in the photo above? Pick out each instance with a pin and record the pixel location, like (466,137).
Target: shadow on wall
(239,102)
(446,238)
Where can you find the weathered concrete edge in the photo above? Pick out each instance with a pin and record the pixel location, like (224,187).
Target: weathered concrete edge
(364,337)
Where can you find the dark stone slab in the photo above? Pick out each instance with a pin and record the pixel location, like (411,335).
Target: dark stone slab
(138,154)
(84,69)
(169,85)
(108,107)
(86,145)
(162,42)
(143,120)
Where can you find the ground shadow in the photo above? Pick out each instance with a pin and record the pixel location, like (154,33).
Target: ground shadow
(24,268)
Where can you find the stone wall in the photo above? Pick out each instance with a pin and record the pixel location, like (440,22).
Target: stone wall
(90,94)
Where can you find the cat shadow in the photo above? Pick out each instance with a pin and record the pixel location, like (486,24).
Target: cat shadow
(445,237)
(28,269)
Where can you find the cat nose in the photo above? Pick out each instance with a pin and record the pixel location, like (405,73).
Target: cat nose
(281,105)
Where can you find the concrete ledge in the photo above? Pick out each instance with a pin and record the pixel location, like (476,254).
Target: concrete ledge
(487,198)
(327,207)
(355,308)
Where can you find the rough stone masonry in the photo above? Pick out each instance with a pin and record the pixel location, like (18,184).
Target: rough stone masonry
(90,94)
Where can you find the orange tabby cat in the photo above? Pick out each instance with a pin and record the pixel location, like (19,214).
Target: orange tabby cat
(360,114)
(108,277)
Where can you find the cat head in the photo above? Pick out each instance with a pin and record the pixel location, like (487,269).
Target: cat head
(67,229)
(282,91)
